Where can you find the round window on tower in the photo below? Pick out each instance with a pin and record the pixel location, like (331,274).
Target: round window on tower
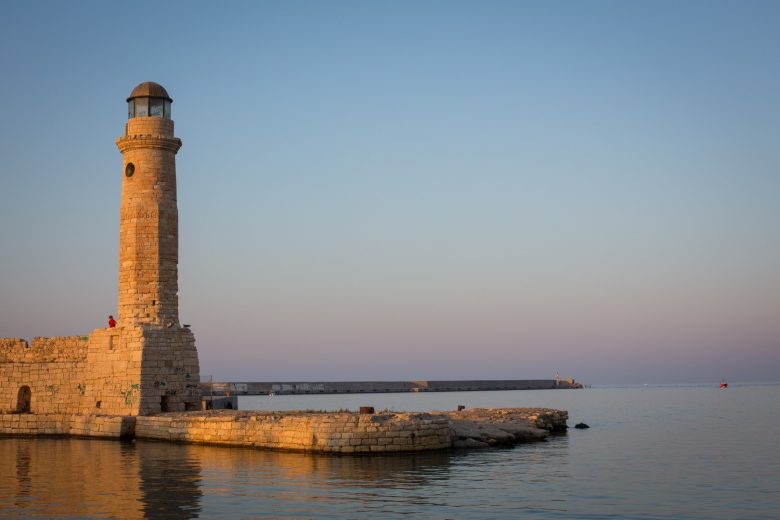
(129,169)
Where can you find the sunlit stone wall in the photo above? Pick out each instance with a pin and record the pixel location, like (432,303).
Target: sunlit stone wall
(318,432)
(119,371)
(109,426)
(66,375)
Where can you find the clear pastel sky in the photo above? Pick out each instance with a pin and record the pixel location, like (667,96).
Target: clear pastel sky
(413,189)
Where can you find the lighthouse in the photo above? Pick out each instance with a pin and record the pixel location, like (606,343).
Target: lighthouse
(152,338)
(148,362)
(148,215)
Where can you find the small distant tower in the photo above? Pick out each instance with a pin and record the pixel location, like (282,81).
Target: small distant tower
(154,346)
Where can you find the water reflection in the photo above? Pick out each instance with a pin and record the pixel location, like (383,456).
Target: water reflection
(97,479)
(93,478)
(23,482)
(169,481)
(55,477)
(277,484)
(81,478)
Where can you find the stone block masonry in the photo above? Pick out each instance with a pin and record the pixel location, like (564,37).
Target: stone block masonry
(317,432)
(101,426)
(119,371)
(48,375)
(303,431)
(170,373)
(148,224)
(44,350)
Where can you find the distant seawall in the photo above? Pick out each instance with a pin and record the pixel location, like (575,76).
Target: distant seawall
(359,387)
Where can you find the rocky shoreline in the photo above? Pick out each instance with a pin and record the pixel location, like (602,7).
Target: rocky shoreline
(487,427)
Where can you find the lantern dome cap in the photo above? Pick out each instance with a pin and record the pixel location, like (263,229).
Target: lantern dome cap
(149,89)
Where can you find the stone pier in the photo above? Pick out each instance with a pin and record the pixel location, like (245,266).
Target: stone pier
(320,432)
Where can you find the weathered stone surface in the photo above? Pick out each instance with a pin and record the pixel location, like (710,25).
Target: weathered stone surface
(483,432)
(542,418)
(504,426)
(523,432)
(120,371)
(469,443)
(148,225)
(109,426)
(340,432)
(325,432)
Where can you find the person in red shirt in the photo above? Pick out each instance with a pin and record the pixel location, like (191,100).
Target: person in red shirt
(111,322)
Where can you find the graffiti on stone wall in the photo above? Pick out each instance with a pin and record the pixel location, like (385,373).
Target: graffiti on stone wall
(131,396)
(298,387)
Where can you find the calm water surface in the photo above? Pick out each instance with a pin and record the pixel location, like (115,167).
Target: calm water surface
(651,452)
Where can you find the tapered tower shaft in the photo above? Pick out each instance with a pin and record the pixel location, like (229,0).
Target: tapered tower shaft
(148,218)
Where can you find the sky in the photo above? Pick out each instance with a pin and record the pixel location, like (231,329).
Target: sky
(414,189)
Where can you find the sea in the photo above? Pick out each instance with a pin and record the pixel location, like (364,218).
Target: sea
(651,452)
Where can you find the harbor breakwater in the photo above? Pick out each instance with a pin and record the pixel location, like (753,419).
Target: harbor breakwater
(321,432)
(357,387)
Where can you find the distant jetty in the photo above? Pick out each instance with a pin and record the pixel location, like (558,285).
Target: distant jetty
(368,387)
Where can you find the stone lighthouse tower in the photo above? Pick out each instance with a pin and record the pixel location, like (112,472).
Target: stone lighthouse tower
(148,306)
(148,216)
(148,362)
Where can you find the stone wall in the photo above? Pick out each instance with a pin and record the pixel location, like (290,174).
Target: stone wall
(46,375)
(70,375)
(170,373)
(322,432)
(318,432)
(356,387)
(294,431)
(84,471)
(113,375)
(119,371)
(488,384)
(43,350)
(109,426)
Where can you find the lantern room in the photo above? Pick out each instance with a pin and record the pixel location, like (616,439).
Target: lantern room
(149,99)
